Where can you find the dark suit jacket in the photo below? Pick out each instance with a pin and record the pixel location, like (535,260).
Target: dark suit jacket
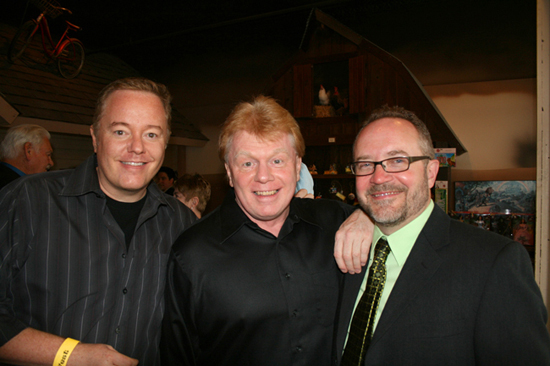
(464,297)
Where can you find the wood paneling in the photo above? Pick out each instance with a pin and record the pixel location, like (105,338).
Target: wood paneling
(303,90)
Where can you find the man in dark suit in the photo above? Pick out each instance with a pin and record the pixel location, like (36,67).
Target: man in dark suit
(452,294)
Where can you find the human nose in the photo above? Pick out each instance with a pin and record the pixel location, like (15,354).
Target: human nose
(263,173)
(380,175)
(136,145)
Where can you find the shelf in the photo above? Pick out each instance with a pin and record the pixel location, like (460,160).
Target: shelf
(339,130)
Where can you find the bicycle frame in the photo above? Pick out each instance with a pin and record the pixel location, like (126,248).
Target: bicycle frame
(42,22)
(68,52)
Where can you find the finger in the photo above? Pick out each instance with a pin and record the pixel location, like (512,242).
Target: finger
(301,193)
(338,255)
(365,249)
(357,251)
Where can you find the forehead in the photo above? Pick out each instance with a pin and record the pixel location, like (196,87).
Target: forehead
(133,107)
(46,145)
(387,137)
(250,144)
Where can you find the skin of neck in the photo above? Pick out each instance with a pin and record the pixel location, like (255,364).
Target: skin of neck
(20,163)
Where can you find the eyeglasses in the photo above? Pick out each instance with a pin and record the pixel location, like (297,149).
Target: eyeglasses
(391,165)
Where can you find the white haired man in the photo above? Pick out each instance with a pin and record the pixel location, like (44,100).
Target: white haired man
(26,149)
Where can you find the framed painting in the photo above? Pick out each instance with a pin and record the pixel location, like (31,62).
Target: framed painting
(496,197)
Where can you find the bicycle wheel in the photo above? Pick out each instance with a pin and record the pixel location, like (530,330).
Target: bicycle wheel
(22,39)
(71,58)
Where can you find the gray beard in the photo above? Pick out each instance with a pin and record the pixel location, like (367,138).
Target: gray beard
(412,207)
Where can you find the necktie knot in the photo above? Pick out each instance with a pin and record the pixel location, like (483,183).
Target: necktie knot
(381,251)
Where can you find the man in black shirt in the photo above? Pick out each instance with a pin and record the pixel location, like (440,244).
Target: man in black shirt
(255,281)
(83,252)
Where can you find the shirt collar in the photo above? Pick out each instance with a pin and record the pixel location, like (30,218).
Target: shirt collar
(234,217)
(402,241)
(18,171)
(84,180)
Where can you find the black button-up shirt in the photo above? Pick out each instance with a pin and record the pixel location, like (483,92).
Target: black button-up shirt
(237,295)
(65,268)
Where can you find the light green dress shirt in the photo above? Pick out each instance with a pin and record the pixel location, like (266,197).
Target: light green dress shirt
(401,243)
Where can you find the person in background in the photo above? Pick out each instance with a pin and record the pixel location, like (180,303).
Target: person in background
(255,282)
(26,149)
(194,192)
(305,183)
(451,293)
(83,252)
(165,179)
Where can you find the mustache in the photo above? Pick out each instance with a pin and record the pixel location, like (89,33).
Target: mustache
(385,188)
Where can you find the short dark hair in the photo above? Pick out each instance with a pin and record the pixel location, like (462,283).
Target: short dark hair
(425,139)
(169,172)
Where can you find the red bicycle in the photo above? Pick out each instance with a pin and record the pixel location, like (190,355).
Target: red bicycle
(69,52)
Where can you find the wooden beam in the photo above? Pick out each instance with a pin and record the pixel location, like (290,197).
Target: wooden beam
(7,112)
(542,245)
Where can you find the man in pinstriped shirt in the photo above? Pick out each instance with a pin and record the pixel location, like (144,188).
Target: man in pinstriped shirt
(83,252)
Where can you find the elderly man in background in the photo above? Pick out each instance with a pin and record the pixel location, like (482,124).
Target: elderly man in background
(255,282)
(26,149)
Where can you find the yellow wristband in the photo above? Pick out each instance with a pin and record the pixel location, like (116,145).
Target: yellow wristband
(64,352)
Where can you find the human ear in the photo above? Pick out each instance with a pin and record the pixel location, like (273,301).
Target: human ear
(228,174)
(28,150)
(432,169)
(94,141)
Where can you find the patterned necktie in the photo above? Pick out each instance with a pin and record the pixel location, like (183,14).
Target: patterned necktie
(362,324)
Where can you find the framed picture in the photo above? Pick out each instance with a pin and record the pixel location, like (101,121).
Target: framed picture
(446,157)
(496,197)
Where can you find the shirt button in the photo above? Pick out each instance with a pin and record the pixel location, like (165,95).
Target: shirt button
(117,330)
(287,275)
(123,255)
(298,349)
(125,291)
(295,313)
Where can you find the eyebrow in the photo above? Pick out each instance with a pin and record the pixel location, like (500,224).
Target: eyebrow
(390,154)
(275,152)
(126,124)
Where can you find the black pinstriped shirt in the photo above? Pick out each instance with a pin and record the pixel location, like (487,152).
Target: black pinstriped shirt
(65,269)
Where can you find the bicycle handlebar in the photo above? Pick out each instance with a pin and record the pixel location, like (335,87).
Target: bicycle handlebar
(63,9)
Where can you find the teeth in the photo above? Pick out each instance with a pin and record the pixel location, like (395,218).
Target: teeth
(132,163)
(381,194)
(265,193)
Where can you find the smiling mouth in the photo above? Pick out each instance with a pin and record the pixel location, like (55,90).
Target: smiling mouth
(384,194)
(266,193)
(132,163)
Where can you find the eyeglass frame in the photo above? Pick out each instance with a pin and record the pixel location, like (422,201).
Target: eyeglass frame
(410,159)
